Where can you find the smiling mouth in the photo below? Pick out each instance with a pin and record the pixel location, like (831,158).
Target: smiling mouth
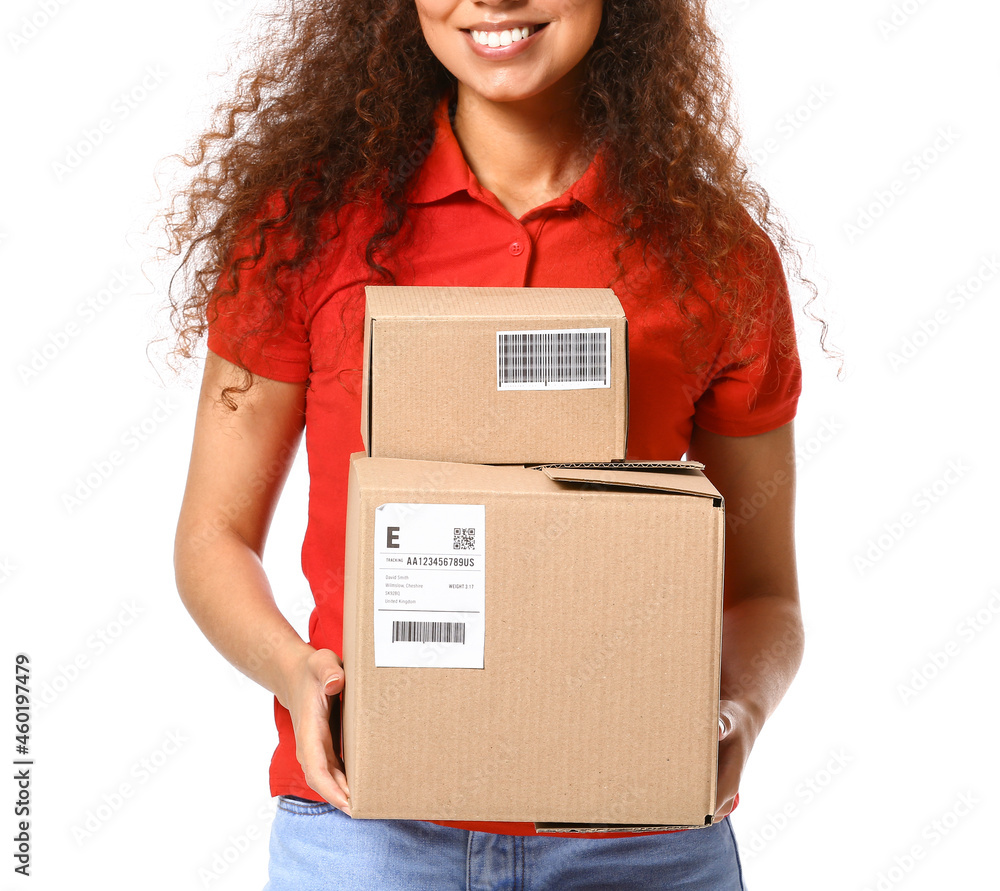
(505,37)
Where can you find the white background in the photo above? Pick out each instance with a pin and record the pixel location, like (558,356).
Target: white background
(853,771)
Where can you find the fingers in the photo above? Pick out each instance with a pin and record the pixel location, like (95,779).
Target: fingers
(728,785)
(728,717)
(314,749)
(732,757)
(724,809)
(725,726)
(320,765)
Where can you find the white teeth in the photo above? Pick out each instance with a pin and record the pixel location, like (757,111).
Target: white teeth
(502,38)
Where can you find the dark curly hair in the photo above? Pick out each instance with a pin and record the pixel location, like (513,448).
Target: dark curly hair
(341,101)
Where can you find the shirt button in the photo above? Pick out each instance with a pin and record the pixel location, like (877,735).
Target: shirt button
(516,248)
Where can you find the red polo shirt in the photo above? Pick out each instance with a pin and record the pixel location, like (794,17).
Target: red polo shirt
(459,234)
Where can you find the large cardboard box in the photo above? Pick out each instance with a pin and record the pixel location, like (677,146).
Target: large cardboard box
(533,644)
(495,375)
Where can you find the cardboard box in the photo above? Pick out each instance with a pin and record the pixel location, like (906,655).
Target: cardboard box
(495,375)
(588,603)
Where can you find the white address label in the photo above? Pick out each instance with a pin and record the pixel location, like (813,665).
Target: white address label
(430,585)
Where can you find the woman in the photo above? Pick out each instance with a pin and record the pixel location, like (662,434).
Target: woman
(503,142)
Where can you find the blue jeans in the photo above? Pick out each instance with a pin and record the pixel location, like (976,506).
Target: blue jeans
(314,846)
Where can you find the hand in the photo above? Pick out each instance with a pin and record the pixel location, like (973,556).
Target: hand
(737,734)
(315,679)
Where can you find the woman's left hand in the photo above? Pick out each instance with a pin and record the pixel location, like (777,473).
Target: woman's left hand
(737,734)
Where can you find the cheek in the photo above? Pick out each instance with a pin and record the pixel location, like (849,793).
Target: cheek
(433,19)
(583,15)
(595,12)
(585,11)
(432,16)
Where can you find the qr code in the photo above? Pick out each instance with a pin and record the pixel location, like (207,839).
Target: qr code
(465,538)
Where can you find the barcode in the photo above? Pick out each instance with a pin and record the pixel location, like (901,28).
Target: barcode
(566,359)
(465,538)
(429,632)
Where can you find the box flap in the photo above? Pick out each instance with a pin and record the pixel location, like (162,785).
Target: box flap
(685,477)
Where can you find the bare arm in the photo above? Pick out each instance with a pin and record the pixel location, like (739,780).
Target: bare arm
(239,462)
(762,623)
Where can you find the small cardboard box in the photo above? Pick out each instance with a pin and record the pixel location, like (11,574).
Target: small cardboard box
(495,375)
(533,644)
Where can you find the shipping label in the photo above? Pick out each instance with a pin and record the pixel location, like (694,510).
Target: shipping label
(563,359)
(430,585)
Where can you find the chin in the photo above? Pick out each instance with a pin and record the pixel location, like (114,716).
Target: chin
(507,93)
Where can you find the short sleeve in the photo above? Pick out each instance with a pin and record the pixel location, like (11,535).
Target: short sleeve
(758,390)
(250,328)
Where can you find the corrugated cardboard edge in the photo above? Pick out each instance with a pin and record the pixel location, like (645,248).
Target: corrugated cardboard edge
(366,397)
(623,427)
(543,828)
(721,567)
(624,465)
(352,543)
(683,477)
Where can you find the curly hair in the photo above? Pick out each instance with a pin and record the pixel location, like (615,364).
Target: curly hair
(335,112)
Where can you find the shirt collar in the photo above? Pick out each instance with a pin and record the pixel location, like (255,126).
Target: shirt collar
(445,172)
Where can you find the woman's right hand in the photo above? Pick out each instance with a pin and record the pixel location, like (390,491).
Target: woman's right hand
(311,685)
